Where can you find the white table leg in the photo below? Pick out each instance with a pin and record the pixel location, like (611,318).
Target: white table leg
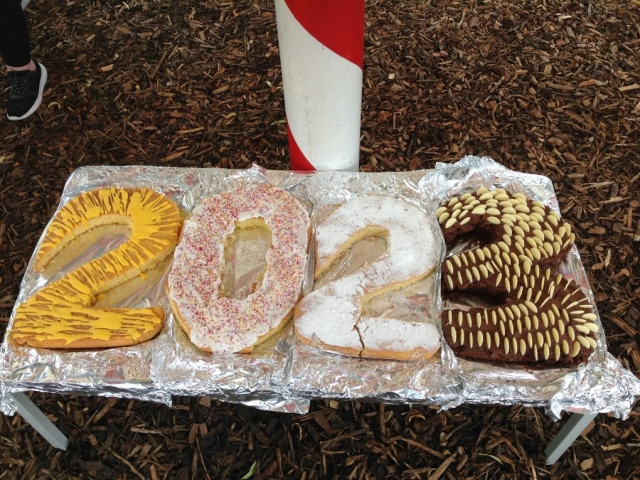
(567,434)
(38,420)
(25,3)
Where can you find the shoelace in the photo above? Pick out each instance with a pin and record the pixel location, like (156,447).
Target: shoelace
(18,83)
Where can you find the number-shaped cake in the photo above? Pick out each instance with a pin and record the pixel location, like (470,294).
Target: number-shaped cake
(63,314)
(215,322)
(540,317)
(330,317)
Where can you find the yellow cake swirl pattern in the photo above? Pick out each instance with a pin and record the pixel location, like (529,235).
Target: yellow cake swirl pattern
(61,315)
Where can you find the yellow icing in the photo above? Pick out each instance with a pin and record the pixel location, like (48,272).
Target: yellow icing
(62,311)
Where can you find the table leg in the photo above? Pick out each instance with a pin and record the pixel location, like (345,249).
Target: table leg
(25,3)
(565,437)
(38,420)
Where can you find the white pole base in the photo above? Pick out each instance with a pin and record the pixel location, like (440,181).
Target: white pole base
(322,97)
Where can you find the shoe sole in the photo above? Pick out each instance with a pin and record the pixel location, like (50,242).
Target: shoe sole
(36,104)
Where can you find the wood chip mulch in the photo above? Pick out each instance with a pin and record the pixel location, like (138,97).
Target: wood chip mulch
(546,86)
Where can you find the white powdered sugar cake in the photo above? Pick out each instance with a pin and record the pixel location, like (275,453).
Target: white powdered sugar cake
(407,336)
(331,317)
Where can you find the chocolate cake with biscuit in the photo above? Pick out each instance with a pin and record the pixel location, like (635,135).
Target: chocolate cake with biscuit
(537,316)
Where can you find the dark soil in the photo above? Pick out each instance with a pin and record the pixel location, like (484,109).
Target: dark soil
(546,86)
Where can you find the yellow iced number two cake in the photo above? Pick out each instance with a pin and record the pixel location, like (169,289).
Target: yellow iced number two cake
(73,312)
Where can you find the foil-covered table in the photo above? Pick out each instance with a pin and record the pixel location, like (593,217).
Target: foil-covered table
(284,374)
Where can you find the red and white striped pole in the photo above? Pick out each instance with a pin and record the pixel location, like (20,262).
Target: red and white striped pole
(321,50)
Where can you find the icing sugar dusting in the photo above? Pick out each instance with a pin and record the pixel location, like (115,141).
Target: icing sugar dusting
(331,314)
(407,336)
(330,318)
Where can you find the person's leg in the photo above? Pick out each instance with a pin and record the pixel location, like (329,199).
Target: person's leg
(14,36)
(27,77)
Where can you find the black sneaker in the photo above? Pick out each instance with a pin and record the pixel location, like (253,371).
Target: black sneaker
(26,92)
